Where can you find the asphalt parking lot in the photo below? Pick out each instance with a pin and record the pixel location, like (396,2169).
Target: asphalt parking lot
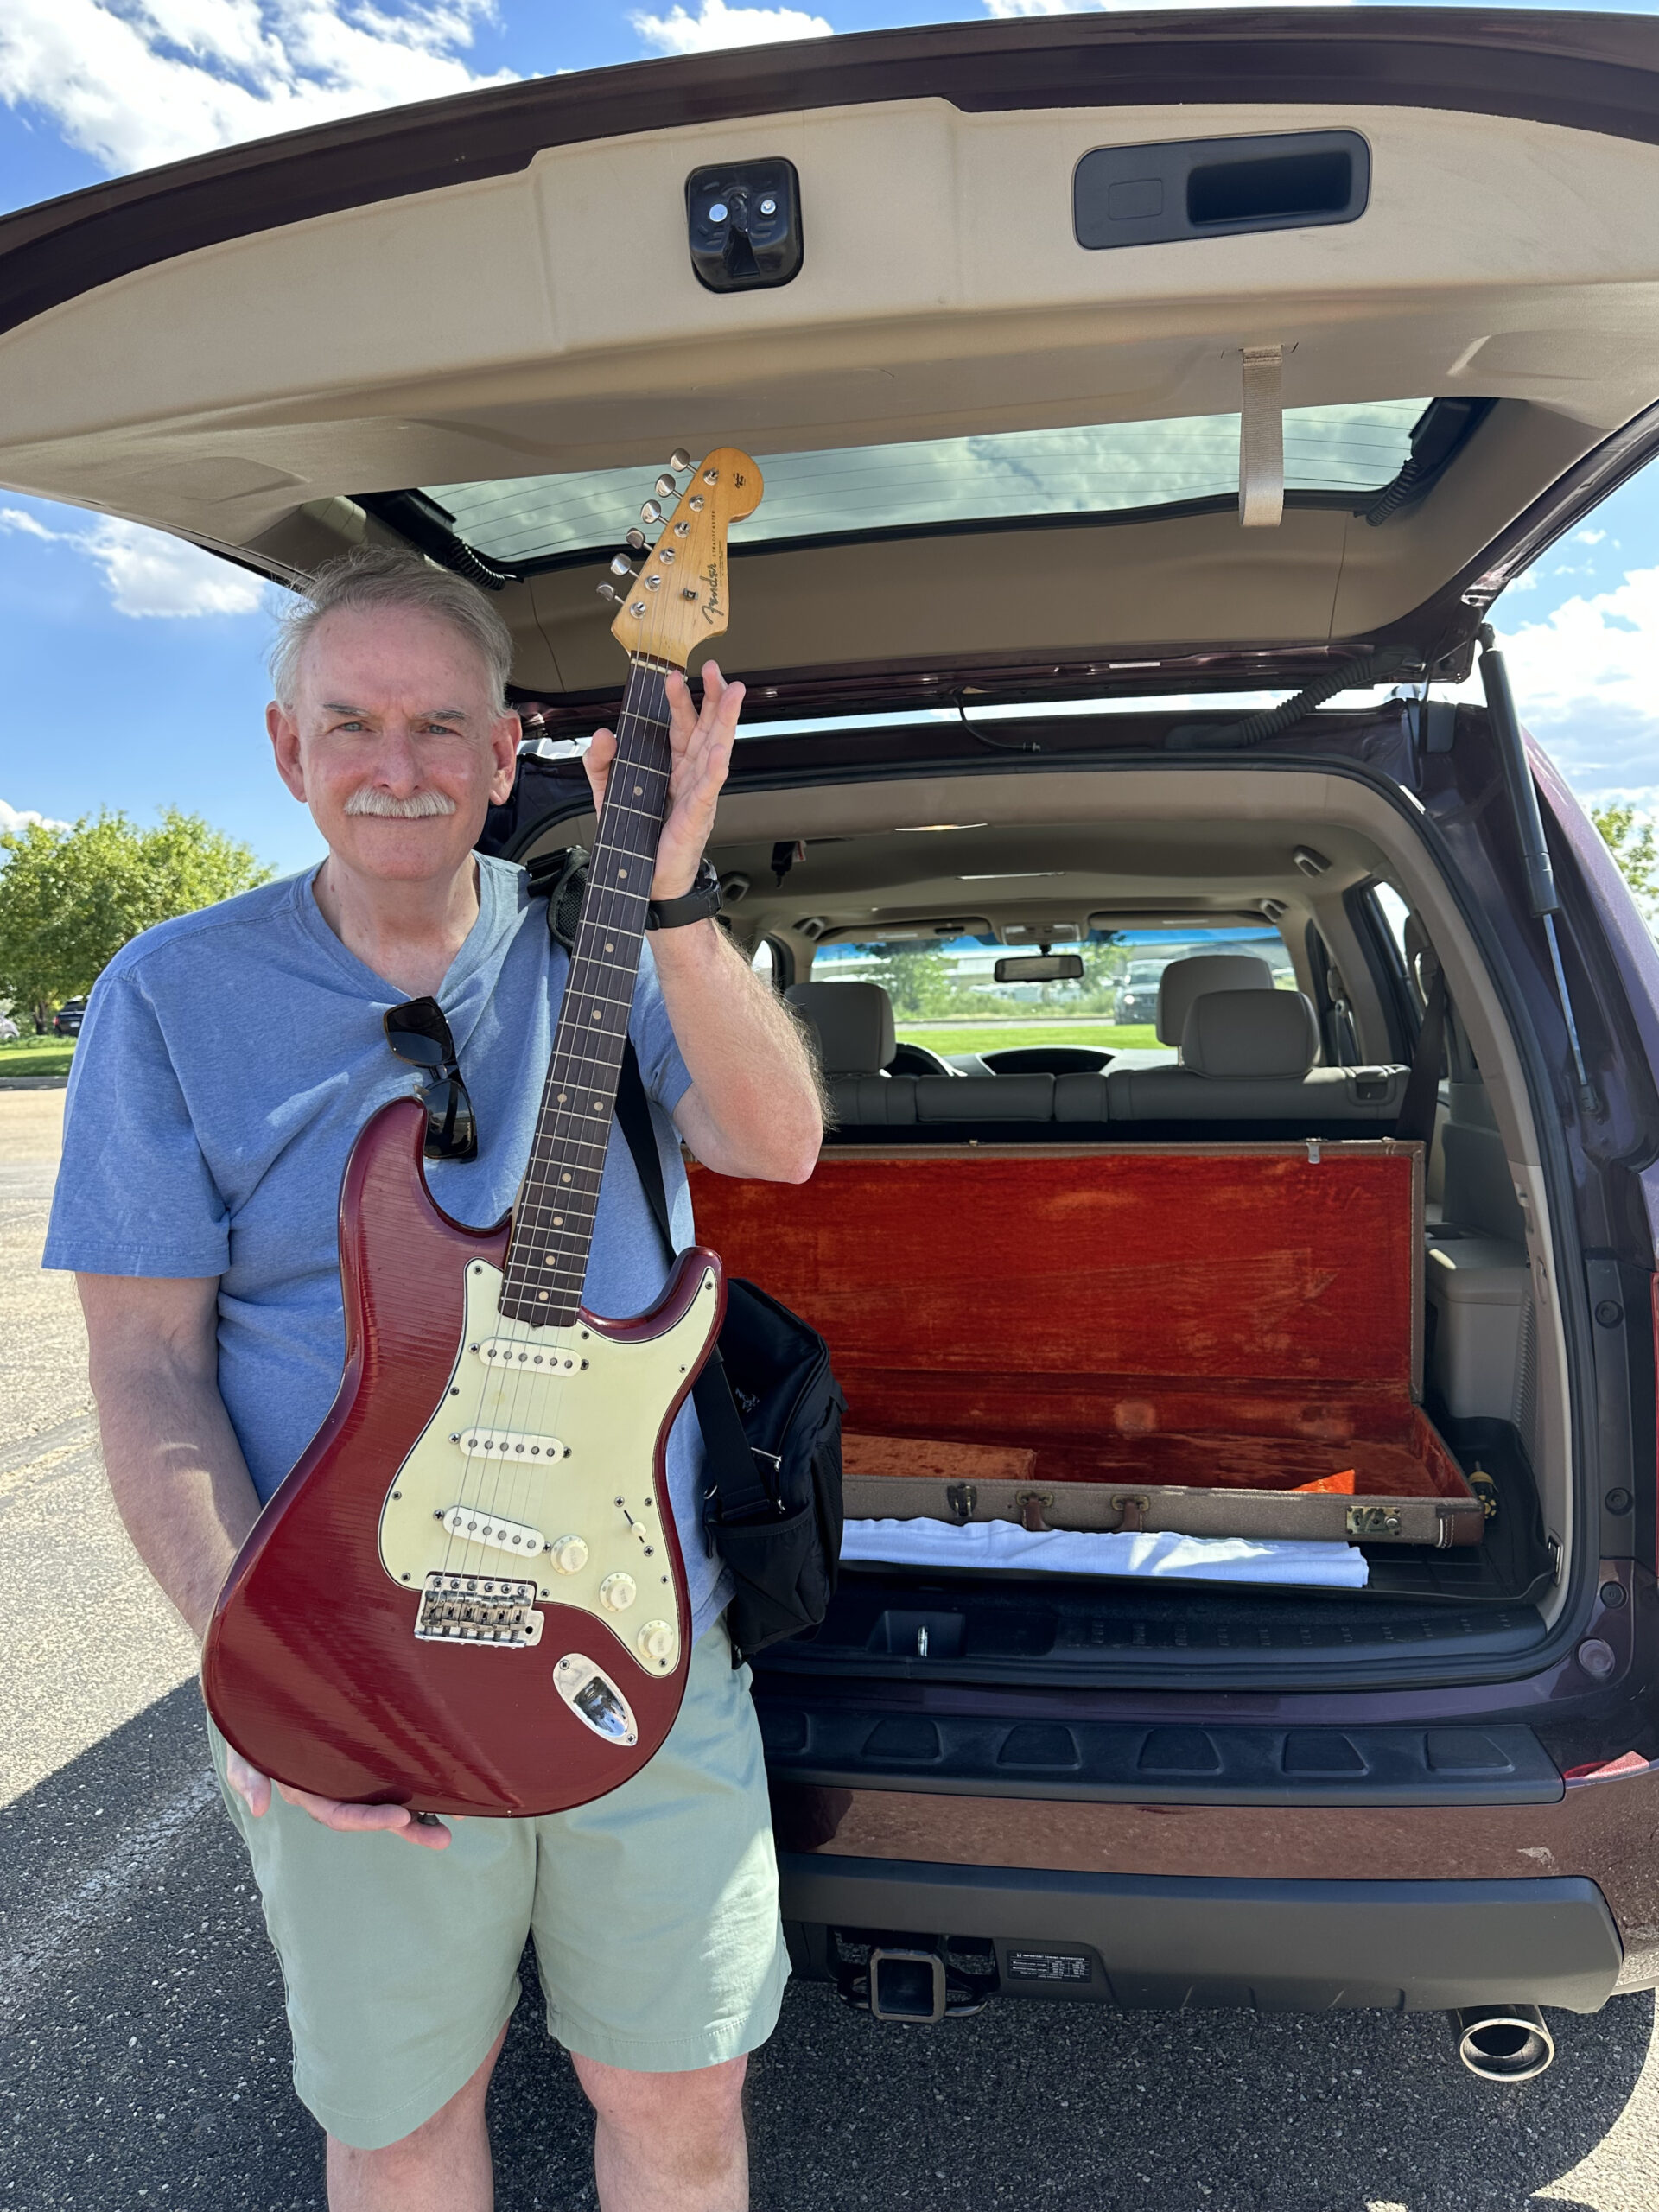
(143,2059)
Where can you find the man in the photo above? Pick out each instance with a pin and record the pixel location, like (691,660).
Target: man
(228,1061)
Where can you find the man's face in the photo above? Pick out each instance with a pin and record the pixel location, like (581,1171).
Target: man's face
(391,742)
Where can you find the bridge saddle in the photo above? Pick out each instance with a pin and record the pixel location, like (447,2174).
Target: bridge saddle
(486,1609)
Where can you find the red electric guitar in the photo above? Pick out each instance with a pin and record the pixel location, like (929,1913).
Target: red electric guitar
(467,1596)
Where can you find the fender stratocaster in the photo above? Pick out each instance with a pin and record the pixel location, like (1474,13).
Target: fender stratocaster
(467,1596)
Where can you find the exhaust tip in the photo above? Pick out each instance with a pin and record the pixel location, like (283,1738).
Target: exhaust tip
(1503,2043)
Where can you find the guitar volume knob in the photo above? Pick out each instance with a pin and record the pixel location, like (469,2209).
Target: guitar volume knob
(656,1640)
(618,1592)
(568,1555)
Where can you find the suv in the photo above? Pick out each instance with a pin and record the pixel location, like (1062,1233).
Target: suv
(1137,1001)
(66,1021)
(1011,514)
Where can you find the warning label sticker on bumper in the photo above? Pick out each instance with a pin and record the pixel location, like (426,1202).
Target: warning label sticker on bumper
(1048,1966)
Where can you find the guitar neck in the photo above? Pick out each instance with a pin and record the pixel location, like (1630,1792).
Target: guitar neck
(553,1217)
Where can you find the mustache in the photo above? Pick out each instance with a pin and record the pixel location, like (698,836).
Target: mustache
(420,806)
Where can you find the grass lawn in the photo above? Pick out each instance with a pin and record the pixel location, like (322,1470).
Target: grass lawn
(992,1036)
(31,1055)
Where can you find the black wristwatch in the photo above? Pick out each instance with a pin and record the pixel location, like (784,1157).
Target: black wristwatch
(699,904)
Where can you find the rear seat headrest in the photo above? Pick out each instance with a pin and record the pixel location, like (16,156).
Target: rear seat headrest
(1251,1032)
(1183,981)
(854,1023)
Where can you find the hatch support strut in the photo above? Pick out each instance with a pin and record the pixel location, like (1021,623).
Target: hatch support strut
(1542,896)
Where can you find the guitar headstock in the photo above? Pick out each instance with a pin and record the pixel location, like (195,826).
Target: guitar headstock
(678,598)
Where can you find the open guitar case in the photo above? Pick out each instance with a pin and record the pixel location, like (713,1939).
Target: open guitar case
(1217,1340)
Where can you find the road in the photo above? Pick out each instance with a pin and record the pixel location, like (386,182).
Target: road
(143,2058)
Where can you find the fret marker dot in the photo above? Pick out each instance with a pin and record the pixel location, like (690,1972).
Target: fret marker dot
(562,1096)
(564,1179)
(559,1221)
(542,1294)
(639,791)
(595,1014)
(609,947)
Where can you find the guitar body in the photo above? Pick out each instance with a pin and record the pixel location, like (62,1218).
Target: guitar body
(467,1596)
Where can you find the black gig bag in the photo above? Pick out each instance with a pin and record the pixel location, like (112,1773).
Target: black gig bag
(770,1412)
(768,1406)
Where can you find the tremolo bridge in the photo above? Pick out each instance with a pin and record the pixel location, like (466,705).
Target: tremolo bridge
(484,1609)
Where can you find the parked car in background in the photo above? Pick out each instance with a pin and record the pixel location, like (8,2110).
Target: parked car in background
(66,1021)
(1138,998)
(990,346)
(8,1029)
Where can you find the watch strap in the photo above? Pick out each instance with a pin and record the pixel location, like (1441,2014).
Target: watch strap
(699,904)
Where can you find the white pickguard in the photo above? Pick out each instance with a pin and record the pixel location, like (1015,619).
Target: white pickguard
(603,1402)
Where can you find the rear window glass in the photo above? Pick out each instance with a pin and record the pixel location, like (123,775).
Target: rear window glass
(945,994)
(1017,474)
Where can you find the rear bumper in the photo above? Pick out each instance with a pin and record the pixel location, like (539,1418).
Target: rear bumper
(1145,1941)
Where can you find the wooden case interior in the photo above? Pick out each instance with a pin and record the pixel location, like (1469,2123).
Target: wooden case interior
(1240,1317)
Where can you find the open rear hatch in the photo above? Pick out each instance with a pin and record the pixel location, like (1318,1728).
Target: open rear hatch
(1084,356)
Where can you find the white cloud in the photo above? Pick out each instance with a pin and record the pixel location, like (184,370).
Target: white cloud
(147,572)
(153,80)
(1586,679)
(715,25)
(1588,537)
(12,817)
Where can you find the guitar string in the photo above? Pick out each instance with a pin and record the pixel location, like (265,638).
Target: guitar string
(558,1130)
(479,1470)
(642,718)
(555,1126)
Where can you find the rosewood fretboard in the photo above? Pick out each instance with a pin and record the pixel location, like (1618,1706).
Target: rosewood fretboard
(553,1216)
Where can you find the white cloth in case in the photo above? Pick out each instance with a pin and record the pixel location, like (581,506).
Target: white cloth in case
(993,1544)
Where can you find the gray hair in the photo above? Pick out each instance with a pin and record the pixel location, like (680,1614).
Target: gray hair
(375,576)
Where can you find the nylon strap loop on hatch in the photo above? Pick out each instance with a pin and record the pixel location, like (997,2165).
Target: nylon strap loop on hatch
(1261,439)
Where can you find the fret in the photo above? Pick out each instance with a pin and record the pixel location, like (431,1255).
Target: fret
(571,1141)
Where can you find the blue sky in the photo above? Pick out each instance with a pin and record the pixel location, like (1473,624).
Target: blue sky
(134,668)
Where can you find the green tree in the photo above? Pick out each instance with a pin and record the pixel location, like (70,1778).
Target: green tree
(71,897)
(918,979)
(1629,838)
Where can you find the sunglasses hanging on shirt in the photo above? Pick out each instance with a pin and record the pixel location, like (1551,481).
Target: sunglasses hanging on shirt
(418,1034)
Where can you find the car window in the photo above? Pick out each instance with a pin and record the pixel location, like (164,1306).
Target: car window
(1111,469)
(945,996)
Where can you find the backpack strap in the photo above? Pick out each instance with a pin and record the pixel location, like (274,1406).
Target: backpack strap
(738,1487)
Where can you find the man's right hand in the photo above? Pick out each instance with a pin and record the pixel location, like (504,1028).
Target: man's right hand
(254,1789)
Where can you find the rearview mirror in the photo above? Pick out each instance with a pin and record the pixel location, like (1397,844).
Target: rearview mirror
(1040,968)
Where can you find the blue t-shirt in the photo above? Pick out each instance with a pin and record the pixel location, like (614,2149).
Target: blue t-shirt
(226,1065)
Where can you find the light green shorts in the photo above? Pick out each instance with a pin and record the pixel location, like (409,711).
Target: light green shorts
(654,1912)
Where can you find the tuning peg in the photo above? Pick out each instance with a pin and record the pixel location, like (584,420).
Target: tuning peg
(651,512)
(637,540)
(619,567)
(610,592)
(665,487)
(679,458)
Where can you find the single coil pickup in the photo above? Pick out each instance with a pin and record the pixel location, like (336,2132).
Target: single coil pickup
(480,1609)
(509,1443)
(514,1352)
(472,1523)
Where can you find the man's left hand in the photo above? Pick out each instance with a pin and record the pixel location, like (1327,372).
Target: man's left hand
(702,746)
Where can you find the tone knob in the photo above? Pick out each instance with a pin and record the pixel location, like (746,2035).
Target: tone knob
(568,1555)
(656,1640)
(618,1592)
